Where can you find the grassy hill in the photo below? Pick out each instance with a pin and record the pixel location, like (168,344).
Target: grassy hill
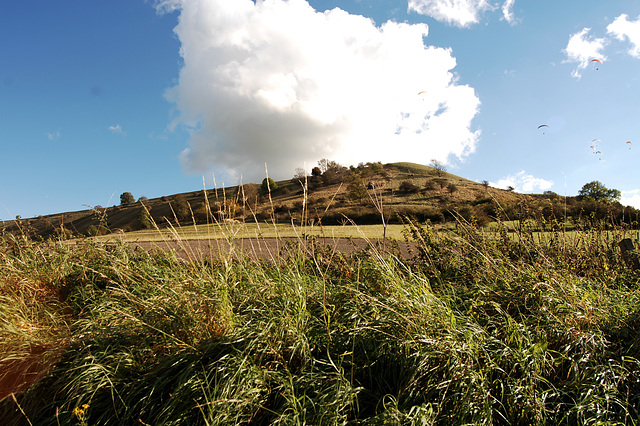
(334,196)
(401,188)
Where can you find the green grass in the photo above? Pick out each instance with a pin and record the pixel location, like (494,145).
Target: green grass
(474,329)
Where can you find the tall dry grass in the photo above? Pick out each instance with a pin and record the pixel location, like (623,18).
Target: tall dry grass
(473,328)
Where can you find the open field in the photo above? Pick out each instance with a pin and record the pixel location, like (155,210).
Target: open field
(330,234)
(254,230)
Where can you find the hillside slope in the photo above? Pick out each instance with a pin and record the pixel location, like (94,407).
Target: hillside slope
(400,189)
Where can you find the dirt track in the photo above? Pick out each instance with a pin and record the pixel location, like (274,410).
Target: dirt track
(275,248)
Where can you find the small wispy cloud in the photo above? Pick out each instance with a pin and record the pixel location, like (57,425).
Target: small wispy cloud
(523,182)
(621,28)
(117,129)
(582,48)
(54,136)
(461,13)
(507,12)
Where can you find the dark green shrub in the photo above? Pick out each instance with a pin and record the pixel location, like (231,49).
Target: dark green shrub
(268,186)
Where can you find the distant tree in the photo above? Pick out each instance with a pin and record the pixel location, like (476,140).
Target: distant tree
(510,188)
(268,186)
(126,198)
(377,167)
(408,187)
(143,198)
(326,165)
(356,188)
(180,207)
(316,171)
(439,166)
(249,194)
(144,217)
(595,190)
(485,183)
(332,172)
(300,174)
(451,188)
(441,182)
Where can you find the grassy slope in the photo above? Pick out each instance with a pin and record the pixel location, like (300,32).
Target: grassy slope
(323,202)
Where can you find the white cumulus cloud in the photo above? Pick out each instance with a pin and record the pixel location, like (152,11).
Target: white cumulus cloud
(621,28)
(582,48)
(630,198)
(523,182)
(277,82)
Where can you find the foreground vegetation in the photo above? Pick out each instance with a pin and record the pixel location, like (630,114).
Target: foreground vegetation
(474,328)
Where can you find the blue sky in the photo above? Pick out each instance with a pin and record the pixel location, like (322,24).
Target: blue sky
(106,96)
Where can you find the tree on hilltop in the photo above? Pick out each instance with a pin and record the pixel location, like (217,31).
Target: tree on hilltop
(595,190)
(126,198)
(439,166)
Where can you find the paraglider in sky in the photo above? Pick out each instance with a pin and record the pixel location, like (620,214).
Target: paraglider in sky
(542,126)
(597,61)
(629,144)
(420,93)
(596,139)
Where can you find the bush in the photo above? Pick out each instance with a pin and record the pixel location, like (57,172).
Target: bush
(96,230)
(268,186)
(356,189)
(408,187)
(63,233)
(181,207)
(144,218)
